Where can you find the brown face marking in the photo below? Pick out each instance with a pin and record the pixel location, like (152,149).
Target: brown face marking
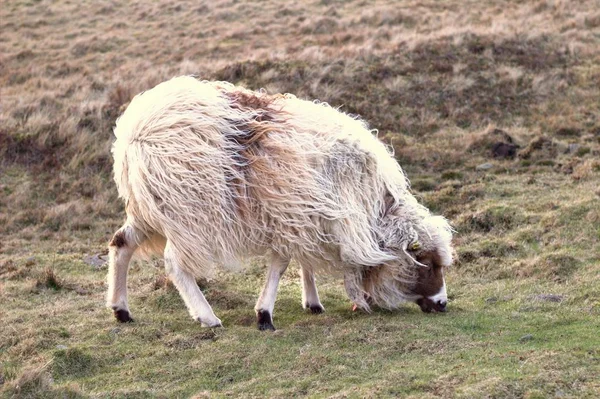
(118,240)
(430,281)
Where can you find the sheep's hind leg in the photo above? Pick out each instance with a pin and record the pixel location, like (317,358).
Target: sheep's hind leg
(185,282)
(121,248)
(266,302)
(310,295)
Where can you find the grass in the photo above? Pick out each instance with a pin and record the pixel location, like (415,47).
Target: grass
(450,87)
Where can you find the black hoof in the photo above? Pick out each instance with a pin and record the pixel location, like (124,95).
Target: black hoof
(123,316)
(264,321)
(315,309)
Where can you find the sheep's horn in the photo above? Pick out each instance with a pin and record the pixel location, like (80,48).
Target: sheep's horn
(410,259)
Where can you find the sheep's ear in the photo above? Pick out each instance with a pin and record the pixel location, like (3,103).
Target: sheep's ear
(388,203)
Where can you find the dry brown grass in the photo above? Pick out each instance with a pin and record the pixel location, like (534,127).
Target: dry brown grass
(447,84)
(409,68)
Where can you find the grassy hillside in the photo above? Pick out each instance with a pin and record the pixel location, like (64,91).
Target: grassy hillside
(492,108)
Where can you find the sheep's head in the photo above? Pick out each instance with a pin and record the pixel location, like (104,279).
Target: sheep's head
(430,285)
(422,252)
(432,253)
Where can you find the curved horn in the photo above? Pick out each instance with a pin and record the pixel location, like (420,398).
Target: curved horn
(410,259)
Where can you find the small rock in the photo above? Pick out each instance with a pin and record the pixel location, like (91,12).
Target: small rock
(484,166)
(492,299)
(61,347)
(504,150)
(494,142)
(96,261)
(573,147)
(526,337)
(115,331)
(549,297)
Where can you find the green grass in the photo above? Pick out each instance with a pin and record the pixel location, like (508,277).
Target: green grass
(501,338)
(443,83)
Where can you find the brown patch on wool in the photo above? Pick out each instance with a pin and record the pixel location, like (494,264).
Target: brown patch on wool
(265,116)
(263,159)
(258,102)
(118,240)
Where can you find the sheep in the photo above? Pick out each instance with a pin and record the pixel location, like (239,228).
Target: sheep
(212,174)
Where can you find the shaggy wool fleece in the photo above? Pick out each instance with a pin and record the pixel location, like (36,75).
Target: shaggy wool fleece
(222,173)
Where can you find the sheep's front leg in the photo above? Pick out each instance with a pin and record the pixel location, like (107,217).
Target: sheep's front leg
(352,283)
(266,301)
(185,283)
(310,295)
(121,248)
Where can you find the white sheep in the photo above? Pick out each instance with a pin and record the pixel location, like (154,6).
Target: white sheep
(212,173)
